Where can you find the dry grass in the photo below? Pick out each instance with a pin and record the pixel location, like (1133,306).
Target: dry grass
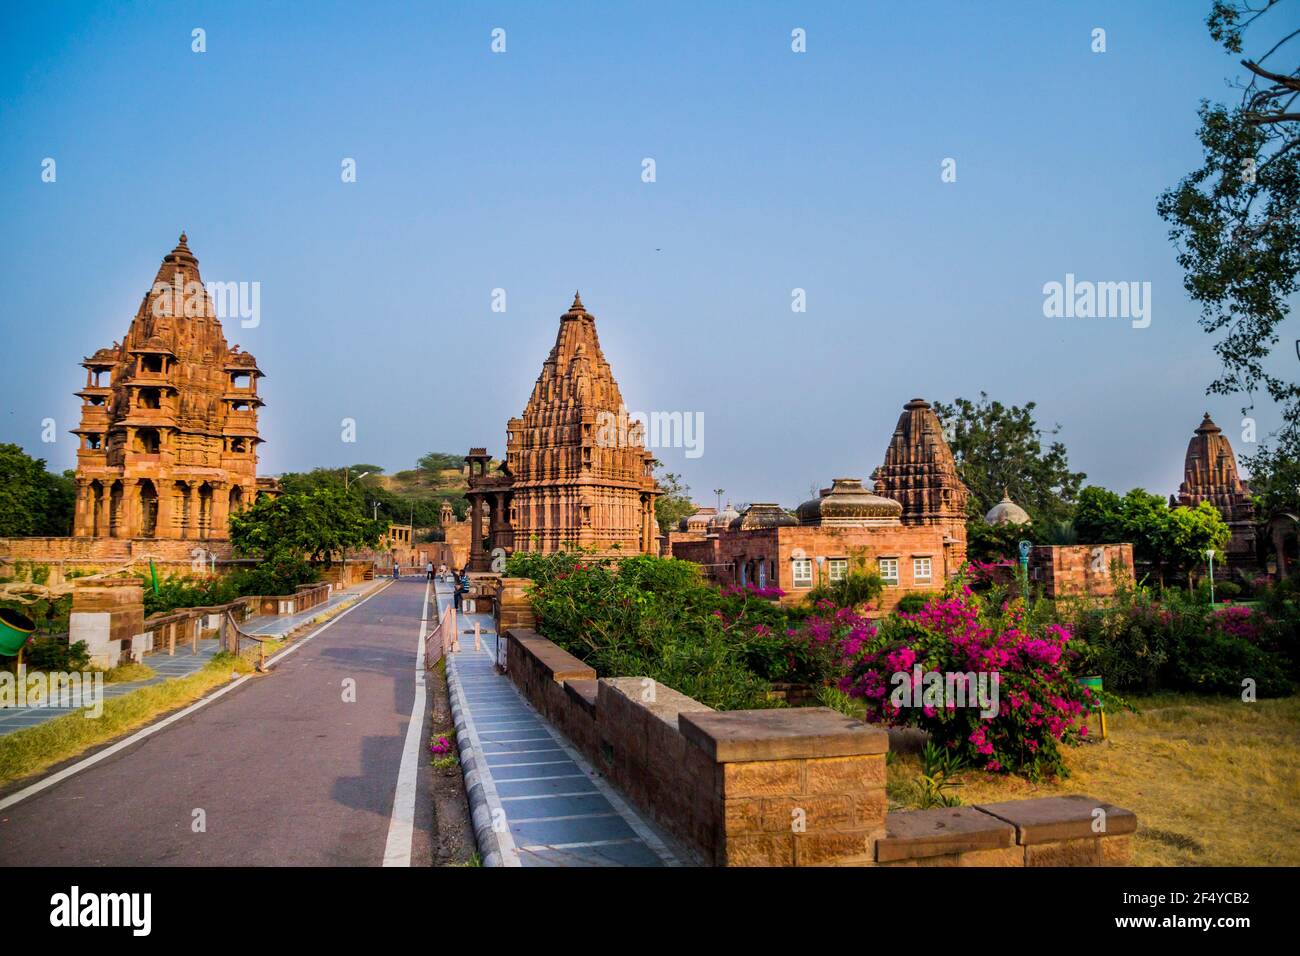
(1214,781)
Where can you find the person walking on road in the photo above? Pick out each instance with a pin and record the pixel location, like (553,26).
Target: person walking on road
(428,570)
(396,569)
(457,595)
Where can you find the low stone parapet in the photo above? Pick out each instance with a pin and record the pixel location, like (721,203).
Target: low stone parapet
(787,786)
(1074,830)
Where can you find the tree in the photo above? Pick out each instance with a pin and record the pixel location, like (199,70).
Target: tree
(1192,532)
(1235,221)
(440,461)
(673,502)
(999,451)
(996,542)
(316,524)
(1275,479)
(1174,540)
(33,502)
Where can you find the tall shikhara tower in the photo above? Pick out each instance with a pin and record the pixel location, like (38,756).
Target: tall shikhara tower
(169,419)
(1210,474)
(576,480)
(920,473)
(575,475)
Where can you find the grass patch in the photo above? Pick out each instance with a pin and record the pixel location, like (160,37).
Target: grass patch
(125,673)
(29,751)
(1214,781)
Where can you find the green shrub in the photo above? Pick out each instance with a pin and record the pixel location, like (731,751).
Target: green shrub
(55,654)
(914,602)
(646,616)
(1227,590)
(1177,642)
(852,590)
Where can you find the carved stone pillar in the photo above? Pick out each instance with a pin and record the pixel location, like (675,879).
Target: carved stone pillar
(189,511)
(503,535)
(129,520)
(166,508)
(220,509)
(477,559)
(84,519)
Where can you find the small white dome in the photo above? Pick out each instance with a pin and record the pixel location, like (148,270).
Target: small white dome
(1006,511)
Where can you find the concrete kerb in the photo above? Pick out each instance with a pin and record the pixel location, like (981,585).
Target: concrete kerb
(495,848)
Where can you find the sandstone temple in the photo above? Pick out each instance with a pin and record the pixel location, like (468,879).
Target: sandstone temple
(168,432)
(1210,474)
(910,529)
(565,482)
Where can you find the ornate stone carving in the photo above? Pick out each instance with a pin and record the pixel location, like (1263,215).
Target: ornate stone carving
(920,473)
(169,419)
(569,480)
(1210,474)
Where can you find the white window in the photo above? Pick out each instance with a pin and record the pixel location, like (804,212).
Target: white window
(889,570)
(802,572)
(838,569)
(921,570)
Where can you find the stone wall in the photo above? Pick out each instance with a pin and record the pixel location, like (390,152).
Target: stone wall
(1050,831)
(788,786)
(93,555)
(1081,570)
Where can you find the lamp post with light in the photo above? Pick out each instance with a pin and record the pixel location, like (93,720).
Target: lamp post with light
(1209,555)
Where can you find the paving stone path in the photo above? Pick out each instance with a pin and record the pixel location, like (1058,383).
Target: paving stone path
(559,810)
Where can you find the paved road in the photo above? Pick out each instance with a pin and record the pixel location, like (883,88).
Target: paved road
(286,771)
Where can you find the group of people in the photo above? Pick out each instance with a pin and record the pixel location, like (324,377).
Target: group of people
(459,578)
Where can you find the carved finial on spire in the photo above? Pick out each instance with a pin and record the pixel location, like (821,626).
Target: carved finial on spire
(577,303)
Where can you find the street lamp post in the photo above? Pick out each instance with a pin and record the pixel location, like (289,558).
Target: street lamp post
(345,477)
(1209,554)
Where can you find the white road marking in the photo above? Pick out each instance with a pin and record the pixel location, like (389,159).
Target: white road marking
(401,828)
(141,734)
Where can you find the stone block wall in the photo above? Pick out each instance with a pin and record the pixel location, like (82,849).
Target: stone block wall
(789,786)
(784,787)
(513,609)
(107,614)
(1076,830)
(1091,570)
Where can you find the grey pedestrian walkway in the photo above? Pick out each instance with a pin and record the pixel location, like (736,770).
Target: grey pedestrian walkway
(183,663)
(559,810)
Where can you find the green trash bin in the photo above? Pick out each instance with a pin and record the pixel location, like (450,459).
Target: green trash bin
(1094,684)
(16,630)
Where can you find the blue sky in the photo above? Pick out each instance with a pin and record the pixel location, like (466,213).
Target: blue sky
(522,171)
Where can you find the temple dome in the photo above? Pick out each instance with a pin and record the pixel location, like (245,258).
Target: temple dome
(848,503)
(723,518)
(1006,511)
(763,515)
(699,521)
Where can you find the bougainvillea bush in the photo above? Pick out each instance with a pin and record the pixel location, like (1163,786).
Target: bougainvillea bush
(1039,704)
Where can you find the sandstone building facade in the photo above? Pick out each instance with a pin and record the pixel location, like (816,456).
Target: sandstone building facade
(569,480)
(913,535)
(168,432)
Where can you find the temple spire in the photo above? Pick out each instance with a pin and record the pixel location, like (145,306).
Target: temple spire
(577,303)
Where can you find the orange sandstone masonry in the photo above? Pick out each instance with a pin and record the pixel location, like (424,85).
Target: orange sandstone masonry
(789,786)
